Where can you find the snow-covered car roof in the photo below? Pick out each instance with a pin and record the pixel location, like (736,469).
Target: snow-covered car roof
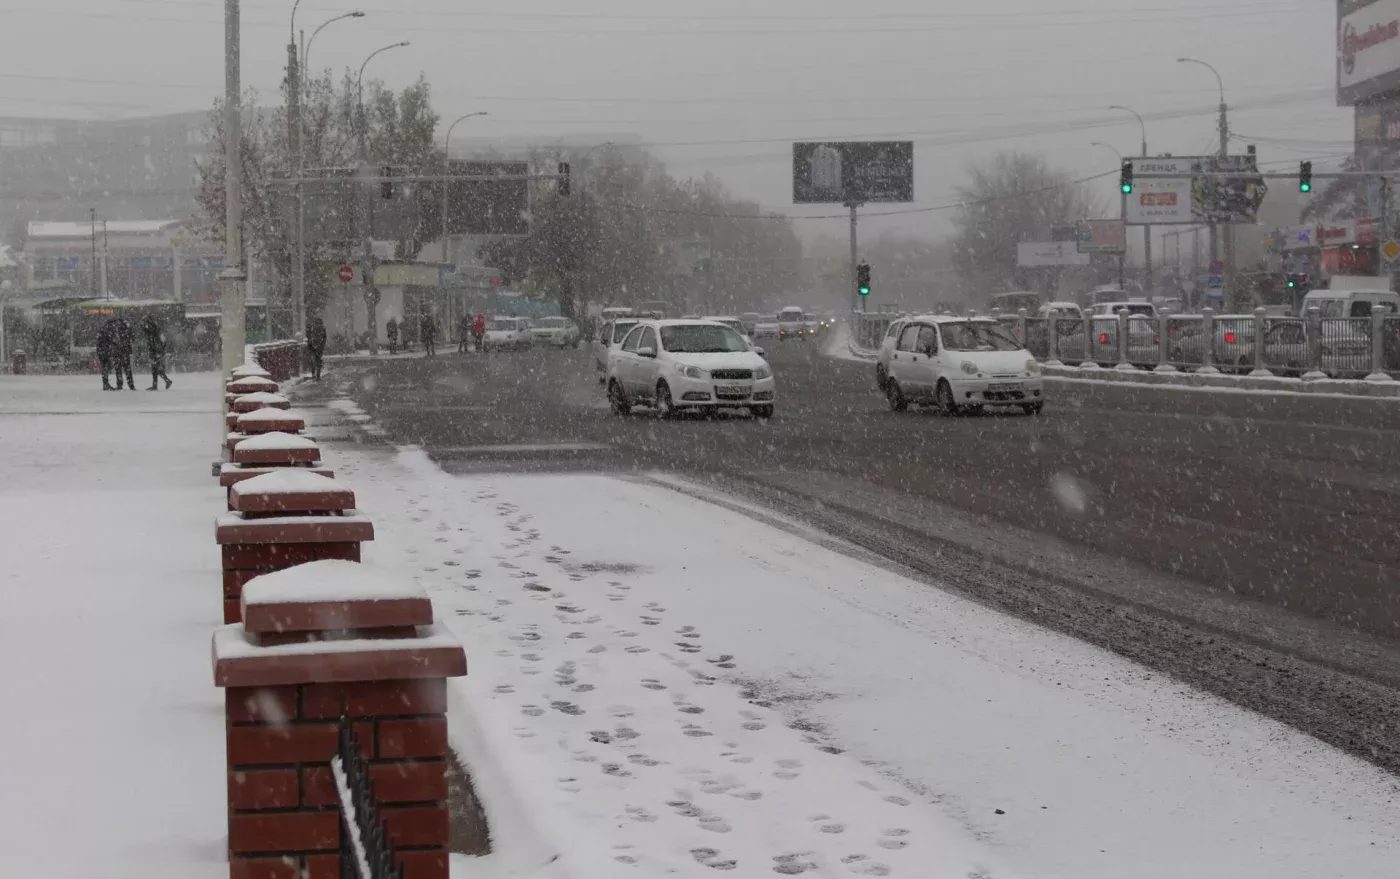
(948,318)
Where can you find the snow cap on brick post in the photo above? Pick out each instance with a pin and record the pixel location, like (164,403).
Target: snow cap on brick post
(251,385)
(321,642)
(248,370)
(276,448)
(269,420)
(252,403)
(279,520)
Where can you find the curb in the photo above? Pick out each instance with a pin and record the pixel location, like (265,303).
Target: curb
(1336,387)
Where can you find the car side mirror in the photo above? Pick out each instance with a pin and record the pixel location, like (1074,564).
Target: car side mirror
(647,351)
(760,352)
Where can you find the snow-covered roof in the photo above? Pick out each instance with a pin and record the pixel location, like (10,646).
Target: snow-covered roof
(6,261)
(52,229)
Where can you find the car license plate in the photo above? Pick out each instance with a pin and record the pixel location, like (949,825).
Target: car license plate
(1006,386)
(734,390)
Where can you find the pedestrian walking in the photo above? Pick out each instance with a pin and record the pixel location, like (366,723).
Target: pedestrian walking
(427,328)
(106,347)
(464,334)
(391,329)
(316,346)
(479,331)
(155,344)
(123,340)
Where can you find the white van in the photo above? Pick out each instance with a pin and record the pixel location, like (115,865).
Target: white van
(1352,297)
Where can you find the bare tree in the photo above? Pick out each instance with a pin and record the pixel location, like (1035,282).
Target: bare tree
(1011,198)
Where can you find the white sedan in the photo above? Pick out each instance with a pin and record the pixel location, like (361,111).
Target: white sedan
(676,365)
(555,332)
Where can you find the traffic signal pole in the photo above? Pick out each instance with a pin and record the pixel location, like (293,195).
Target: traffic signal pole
(855,262)
(231,292)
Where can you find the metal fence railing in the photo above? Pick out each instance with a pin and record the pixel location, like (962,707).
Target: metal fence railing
(365,851)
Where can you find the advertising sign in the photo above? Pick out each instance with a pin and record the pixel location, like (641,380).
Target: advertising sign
(1193,197)
(1049,254)
(1103,236)
(853,172)
(1368,51)
(488,207)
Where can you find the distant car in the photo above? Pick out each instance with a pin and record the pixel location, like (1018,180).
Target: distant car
(766,328)
(792,324)
(555,332)
(610,335)
(957,364)
(750,320)
(1134,307)
(675,365)
(507,334)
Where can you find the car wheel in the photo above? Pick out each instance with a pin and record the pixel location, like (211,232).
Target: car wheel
(617,399)
(664,404)
(944,395)
(898,402)
(1032,408)
(762,411)
(880,377)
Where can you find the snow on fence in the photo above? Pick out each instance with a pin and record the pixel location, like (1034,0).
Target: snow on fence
(282,359)
(365,849)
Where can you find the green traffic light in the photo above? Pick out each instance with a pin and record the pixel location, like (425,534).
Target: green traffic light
(1305,187)
(1127,188)
(865,291)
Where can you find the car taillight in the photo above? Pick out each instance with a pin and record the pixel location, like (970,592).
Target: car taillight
(1103,338)
(1229,338)
(1156,340)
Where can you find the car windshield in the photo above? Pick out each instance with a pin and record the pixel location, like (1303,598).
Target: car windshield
(978,336)
(1143,309)
(553,323)
(701,339)
(1330,307)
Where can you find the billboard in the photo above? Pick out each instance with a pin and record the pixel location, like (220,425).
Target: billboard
(488,207)
(853,172)
(1047,254)
(1191,197)
(1103,236)
(1368,51)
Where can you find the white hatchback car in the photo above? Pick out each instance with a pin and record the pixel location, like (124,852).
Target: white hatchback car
(959,363)
(688,364)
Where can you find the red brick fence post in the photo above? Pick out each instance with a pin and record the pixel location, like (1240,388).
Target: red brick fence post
(320,642)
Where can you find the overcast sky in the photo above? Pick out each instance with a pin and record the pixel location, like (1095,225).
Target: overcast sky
(726,85)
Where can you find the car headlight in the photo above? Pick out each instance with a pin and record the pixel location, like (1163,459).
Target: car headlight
(969,367)
(762,372)
(1032,366)
(692,372)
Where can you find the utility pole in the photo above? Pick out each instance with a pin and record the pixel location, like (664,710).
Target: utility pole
(231,296)
(92,269)
(294,137)
(855,261)
(1147,228)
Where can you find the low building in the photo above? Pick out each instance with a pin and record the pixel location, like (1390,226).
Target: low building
(122,259)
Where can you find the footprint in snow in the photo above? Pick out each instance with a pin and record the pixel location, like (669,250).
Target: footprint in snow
(754,725)
(893,839)
(637,813)
(711,858)
(788,768)
(685,647)
(620,711)
(569,785)
(643,760)
(690,709)
(451,563)
(537,587)
(695,732)
(861,865)
(897,800)
(522,732)
(626,734)
(650,621)
(531,710)
(653,684)
(504,689)
(637,648)
(574,636)
(627,634)
(615,770)
(824,824)
(597,648)
(791,865)
(566,708)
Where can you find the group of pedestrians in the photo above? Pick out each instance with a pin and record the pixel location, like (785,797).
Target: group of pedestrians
(473,328)
(115,343)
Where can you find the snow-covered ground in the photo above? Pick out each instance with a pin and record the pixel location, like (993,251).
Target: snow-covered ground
(112,747)
(662,681)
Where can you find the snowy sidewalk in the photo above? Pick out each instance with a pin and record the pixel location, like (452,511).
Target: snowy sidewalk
(113,739)
(680,684)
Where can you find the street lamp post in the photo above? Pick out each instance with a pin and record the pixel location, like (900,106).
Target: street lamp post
(231,292)
(1228,233)
(446,145)
(364,225)
(1147,228)
(1122,205)
(360,94)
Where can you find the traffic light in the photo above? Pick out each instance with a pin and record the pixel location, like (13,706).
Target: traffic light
(1125,178)
(564,183)
(1305,176)
(386,186)
(863,279)
(1299,283)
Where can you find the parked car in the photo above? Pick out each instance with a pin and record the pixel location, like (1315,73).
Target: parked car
(1346,348)
(507,334)
(610,335)
(959,364)
(1131,306)
(886,352)
(676,365)
(555,332)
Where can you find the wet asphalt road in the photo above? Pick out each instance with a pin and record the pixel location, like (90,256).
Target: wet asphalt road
(1249,544)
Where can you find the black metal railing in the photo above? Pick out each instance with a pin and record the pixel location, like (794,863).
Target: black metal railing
(365,851)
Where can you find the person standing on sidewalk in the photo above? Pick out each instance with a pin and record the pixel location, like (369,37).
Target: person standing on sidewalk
(106,347)
(391,330)
(428,330)
(479,331)
(155,344)
(123,340)
(464,334)
(316,346)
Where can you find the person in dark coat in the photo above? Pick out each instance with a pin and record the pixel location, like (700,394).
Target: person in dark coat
(106,347)
(316,345)
(428,329)
(155,344)
(391,329)
(123,340)
(464,333)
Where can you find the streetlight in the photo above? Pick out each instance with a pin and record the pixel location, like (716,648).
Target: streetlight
(1122,206)
(446,145)
(306,44)
(1228,235)
(1147,227)
(360,92)
(1106,146)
